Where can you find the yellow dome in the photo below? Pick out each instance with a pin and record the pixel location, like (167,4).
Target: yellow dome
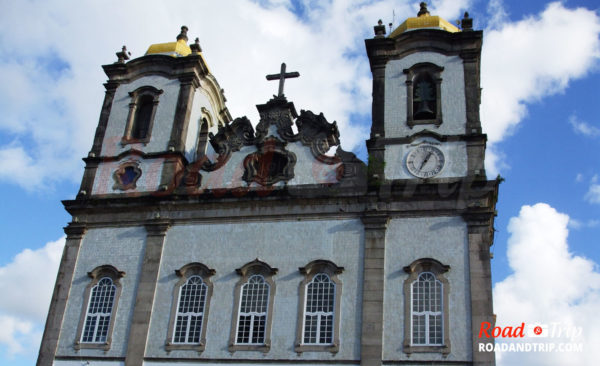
(424,20)
(178,48)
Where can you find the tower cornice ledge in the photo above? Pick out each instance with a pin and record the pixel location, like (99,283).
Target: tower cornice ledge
(166,66)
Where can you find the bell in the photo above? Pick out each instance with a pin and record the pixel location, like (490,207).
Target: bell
(423,111)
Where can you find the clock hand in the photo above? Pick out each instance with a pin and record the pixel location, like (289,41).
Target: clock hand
(425,160)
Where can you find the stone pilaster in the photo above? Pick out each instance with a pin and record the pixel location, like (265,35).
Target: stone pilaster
(471,61)
(378,107)
(480,237)
(91,163)
(58,303)
(144,301)
(371,342)
(111,88)
(189,83)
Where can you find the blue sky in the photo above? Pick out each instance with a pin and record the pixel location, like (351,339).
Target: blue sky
(541,88)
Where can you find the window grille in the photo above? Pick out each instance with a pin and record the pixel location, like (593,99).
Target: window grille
(319,311)
(190,311)
(99,311)
(254,305)
(427,321)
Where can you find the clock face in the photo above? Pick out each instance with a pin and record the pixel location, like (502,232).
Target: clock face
(425,161)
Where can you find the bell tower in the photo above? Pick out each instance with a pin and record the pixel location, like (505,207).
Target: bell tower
(426,163)
(426,98)
(158,112)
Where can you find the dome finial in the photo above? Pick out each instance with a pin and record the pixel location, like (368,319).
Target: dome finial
(423,10)
(183,34)
(195,47)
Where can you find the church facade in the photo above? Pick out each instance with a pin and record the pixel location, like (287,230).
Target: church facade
(197,238)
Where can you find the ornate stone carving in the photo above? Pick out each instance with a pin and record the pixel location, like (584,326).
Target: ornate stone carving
(318,134)
(126,175)
(270,164)
(230,138)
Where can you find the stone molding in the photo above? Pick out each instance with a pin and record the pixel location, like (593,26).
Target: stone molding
(96,275)
(136,95)
(255,267)
(310,271)
(414,270)
(184,273)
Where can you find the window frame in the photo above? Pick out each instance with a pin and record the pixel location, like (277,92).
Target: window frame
(119,185)
(310,271)
(97,274)
(260,268)
(414,271)
(415,72)
(185,273)
(136,97)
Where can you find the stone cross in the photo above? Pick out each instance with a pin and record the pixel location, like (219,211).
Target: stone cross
(282,76)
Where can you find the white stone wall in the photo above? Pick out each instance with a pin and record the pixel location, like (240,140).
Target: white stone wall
(455,154)
(122,248)
(440,238)
(453,95)
(163,119)
(286,245)
(200,101)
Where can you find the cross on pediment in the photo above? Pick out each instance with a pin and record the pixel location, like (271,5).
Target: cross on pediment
(282,76)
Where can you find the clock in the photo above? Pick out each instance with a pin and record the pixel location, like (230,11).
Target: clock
(425,161)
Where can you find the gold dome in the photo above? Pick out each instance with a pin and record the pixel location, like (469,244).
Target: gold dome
(178,48)
(424,20)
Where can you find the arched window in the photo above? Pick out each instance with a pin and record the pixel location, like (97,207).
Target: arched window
(254,304)
(427,316)
(424,94)
(99,311)
(426,307)
(319,314)
(98,316)
(189,312)
(255,292)
(144,101)
(143,113)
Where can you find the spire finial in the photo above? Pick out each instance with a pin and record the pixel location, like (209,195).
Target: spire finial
(183,34)
(466,23)
(379,29)
(123,55)
(195,47)
(423,10)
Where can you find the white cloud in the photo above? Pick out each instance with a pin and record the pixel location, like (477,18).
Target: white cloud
(28,282)
(583,127)
(578,224)
(13,333)
(593,193)
(548,285)
(497,15)
(522,64)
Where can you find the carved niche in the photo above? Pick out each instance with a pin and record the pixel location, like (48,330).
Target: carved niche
(270,164)
(127,175)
